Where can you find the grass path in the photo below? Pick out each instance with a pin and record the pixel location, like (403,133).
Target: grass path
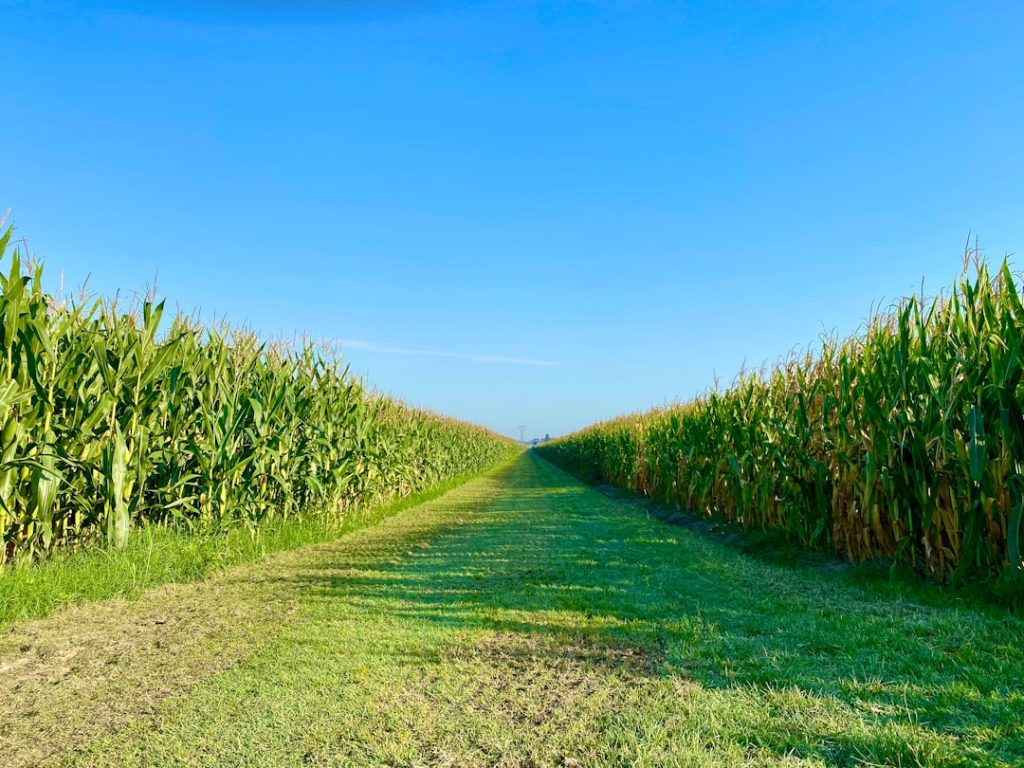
(520,620)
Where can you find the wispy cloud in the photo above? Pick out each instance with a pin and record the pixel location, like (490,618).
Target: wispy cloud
(370,346)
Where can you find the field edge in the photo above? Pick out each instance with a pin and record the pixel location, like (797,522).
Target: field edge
(155,556)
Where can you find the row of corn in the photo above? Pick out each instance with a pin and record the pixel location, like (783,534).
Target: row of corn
(109,418)
(905,441)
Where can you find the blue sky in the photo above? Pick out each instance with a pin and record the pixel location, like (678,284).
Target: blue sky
(513,212)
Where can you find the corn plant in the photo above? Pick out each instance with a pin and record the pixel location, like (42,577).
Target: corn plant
(111,418)
(904,442)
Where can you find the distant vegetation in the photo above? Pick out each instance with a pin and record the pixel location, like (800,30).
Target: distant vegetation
(109,420)
(905,442)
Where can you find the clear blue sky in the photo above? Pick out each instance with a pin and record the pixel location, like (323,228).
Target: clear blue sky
(642,194)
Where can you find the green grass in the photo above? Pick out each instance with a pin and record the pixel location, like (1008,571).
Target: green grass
(158,555)
(525,619)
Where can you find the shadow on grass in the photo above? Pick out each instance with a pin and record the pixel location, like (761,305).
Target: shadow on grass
(588,581)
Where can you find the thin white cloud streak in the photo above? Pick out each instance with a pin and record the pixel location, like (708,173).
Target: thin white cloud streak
(370,346)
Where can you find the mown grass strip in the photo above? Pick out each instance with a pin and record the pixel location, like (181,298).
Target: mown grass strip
(548,625)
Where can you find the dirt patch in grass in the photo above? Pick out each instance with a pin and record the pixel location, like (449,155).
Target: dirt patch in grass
(510,699)
(551,677)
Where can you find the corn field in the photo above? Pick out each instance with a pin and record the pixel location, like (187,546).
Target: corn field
(904,442)
(109,419)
